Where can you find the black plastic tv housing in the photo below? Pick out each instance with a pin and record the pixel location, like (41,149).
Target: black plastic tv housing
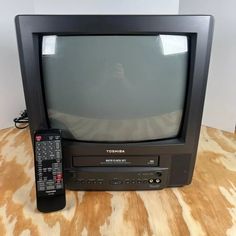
(116,163)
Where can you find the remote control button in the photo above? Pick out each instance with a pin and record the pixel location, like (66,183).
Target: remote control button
(58,154)
(58,145)
(59,186)
(38,138)
(58,177)
(50,187)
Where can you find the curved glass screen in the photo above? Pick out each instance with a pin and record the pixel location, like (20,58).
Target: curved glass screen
(115,88)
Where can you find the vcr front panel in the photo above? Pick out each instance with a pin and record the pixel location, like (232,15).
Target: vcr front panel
(117,178)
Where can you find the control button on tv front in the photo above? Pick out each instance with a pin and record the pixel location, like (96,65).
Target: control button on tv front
(116,182)
(100,181)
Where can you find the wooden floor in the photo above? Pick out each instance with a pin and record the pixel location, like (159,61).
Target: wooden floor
(206,207)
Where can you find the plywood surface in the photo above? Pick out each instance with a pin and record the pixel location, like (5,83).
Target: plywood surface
(206,207)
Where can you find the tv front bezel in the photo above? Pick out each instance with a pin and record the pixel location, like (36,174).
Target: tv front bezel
(30,29)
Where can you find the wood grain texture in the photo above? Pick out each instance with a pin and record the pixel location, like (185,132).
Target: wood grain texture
(206,207)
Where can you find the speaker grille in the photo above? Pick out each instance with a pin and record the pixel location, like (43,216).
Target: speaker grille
(181,170)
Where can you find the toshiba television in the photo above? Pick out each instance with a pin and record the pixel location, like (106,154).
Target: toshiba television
(127,91)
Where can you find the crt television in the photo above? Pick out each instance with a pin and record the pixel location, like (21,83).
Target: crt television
(127,91)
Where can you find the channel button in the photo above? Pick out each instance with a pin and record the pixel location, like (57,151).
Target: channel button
(116,182)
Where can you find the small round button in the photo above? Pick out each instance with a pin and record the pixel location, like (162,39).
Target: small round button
(150,181)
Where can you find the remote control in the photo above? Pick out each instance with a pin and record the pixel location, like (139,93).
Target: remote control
(50,190)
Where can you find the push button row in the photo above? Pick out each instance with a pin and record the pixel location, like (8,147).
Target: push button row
(138,181)
(90,181)
(118,181)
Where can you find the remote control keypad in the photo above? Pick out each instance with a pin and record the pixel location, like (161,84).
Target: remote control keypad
(49,164)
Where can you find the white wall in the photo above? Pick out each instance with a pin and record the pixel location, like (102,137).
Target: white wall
(220,103)
(107,6)
(11,92)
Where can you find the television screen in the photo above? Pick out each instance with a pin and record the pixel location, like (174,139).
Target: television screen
(115,88)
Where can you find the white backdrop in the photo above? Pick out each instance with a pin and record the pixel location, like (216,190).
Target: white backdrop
(107,6)
(11,91)
(220,103)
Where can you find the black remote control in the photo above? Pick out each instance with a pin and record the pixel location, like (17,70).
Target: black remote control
(50,190)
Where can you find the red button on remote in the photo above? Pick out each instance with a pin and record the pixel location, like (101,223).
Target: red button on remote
(38,138)
(59,176)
